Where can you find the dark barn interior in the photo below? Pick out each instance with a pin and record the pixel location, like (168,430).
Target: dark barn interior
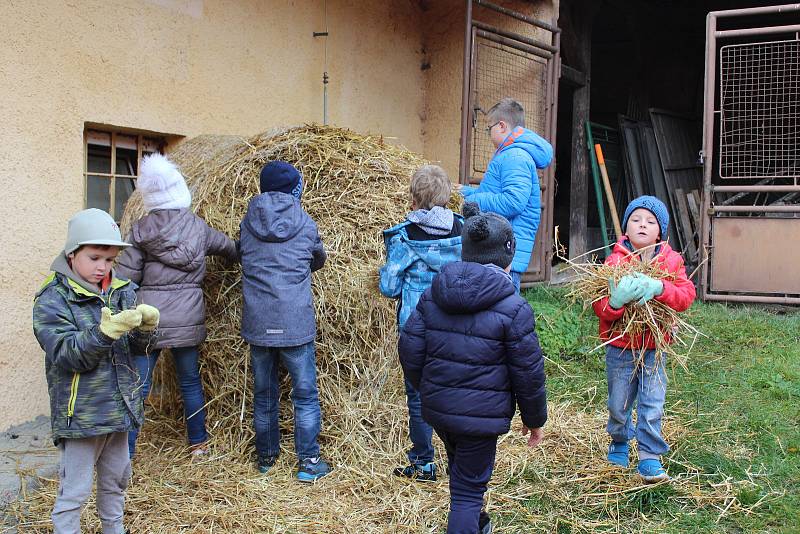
(634,69)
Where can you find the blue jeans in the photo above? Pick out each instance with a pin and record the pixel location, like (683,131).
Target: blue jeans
(419,431)
(301,363)
(187,369)
(471,461)
(647,387)
(516,279)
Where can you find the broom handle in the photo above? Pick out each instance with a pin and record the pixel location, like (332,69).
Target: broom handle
(607,186)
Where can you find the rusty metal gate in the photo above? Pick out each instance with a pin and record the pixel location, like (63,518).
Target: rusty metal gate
(751,170)
(501,63)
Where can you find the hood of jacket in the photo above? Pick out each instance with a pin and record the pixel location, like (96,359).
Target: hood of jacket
(165,236)
(274,217)
(435,221)
(434,254)
(539,149)
(466,287)
(626,251)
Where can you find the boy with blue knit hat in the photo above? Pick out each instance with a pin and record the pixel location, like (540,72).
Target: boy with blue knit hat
(470,349)
(280,248)
(86,320)
(646,221)
(416,250)
(510,185)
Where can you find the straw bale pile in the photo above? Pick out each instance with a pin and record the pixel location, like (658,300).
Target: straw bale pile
(355,186)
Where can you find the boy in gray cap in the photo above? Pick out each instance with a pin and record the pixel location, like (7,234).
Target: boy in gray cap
(86,321)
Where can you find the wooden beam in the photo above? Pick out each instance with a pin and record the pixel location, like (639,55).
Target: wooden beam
(684,224)
(694,209)
(572,76)
(579,167)
(579,174)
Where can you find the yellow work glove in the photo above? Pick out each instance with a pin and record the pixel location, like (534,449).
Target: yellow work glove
(118,324)
(150,316)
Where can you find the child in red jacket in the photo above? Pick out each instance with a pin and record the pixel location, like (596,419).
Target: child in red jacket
(645,222)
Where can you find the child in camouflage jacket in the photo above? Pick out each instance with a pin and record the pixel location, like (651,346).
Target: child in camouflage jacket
(86,321)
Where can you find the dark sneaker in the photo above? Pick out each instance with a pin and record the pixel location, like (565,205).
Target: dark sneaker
(484,524)
(312,469)
(265,462)
(421,472)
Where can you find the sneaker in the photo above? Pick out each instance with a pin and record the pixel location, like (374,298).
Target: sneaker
(651,470)
(312,469)
(484,524)
(265,462)
(198,450)
(618,453)
(421,472)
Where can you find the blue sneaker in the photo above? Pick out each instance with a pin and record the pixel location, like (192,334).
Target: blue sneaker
(618,453)
(312,469)
(651,470)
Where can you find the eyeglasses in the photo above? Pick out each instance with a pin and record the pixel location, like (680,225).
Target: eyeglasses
(489,128)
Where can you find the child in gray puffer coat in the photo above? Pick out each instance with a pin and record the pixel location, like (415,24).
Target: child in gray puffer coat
(280,248)
(168,261)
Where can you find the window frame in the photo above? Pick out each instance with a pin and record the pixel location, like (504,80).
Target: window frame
(161,142)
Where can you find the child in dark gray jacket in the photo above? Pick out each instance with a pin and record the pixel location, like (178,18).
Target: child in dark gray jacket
(280,248)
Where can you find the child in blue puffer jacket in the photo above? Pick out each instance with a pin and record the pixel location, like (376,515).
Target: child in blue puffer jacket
(416,250)
(510,186)
(470,349)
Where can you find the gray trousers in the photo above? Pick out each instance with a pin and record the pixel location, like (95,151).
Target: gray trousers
(108,454)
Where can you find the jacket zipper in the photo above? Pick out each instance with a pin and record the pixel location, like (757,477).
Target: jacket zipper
(73,396)
(76,378)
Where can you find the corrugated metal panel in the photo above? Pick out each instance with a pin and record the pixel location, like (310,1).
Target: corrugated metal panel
(679,142)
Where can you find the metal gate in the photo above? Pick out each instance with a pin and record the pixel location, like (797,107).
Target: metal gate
(500,63)
(751,170)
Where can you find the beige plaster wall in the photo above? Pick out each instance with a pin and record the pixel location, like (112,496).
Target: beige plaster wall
(187,67)
(182,67)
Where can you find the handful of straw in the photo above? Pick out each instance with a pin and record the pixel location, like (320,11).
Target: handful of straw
(649,321)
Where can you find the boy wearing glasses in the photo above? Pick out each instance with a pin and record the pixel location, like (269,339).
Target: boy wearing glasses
(510,186)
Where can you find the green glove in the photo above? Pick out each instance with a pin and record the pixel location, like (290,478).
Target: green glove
(150,317)
(118,324)
(650,287)
(627,290)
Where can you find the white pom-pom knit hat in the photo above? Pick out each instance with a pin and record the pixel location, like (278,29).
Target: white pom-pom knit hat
(162,184)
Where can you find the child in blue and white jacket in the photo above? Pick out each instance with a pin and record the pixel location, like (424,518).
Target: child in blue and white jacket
(510,186)
(416,250)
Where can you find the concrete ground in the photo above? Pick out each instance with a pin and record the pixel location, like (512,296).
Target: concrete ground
(26,451)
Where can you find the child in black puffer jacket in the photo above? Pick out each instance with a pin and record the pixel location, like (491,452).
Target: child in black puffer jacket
(470,349)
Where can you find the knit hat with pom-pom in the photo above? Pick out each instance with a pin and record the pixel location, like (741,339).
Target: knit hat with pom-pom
(162,185)
(487,238)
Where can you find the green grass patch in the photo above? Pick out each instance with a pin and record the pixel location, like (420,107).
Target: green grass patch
(739,403)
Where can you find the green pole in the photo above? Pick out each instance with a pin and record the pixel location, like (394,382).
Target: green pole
(597,188)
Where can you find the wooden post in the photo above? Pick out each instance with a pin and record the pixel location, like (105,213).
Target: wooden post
(581,15)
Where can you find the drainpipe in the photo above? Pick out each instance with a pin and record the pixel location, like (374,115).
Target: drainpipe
(325,77)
